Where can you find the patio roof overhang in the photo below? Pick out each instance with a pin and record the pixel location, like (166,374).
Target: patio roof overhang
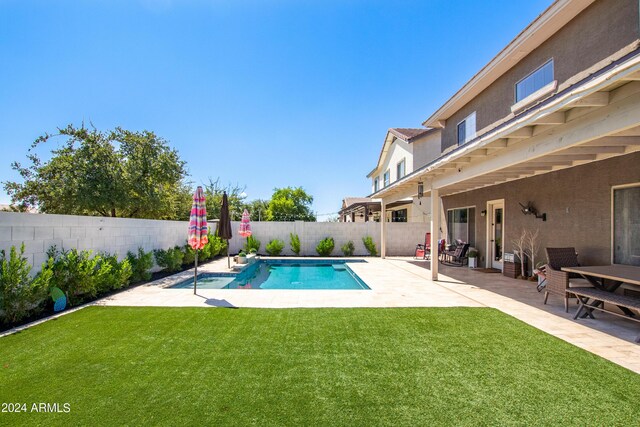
(374,205)
(594,119)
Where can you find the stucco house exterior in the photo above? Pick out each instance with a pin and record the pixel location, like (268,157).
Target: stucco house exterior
(403,151)
(551,125)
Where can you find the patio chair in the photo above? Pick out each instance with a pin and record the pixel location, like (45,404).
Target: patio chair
(458,256)
(423,251)
(560,282)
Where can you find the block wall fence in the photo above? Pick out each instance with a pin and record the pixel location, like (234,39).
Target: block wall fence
(119,235)
(402,237)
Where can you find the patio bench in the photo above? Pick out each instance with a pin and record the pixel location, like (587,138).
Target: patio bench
(599,297)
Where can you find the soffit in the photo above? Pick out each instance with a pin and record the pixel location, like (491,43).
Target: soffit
(599,119)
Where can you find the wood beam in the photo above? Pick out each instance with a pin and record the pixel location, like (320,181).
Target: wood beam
(557,118)
(597,99)
(609,141)
(594,150)
(633,76)
(524,132)
(604,121)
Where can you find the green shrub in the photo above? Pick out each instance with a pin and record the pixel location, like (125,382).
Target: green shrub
(189,255)
(252,243)
(74,273)
(325,247)
(275,247)
(348,248)
(216,246)
(20,295)
(294,242)
(170,259)
(370,245)
(111,274)
(82,275)
(140,265)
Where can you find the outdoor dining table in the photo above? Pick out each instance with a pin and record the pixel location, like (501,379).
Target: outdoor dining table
(615,274)
(606,279)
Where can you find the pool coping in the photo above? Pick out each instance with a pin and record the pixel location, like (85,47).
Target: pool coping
(180,277)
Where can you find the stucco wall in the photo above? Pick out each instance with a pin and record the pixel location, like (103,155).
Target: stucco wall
(101,234)
(426,149)
(599,31)
(577,202)
(401,237)
(399,150)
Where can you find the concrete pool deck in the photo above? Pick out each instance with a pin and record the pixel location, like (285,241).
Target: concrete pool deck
(404,282)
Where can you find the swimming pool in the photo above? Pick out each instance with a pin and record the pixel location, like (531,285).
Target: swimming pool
(284,274)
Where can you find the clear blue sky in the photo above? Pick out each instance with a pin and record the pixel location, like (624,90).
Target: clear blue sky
(265,94)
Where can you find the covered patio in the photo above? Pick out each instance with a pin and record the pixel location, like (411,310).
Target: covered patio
(595,119)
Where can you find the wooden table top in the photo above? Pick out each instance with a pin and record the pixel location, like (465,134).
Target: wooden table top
(620,273)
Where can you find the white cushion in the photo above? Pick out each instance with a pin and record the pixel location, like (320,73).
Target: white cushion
(580,283)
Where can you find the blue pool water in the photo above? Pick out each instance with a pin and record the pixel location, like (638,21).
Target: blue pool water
(283,274)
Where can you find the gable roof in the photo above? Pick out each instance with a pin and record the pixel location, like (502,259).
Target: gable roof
(407,135)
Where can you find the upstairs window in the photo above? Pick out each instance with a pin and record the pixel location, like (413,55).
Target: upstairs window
(376,184)
(467,129)
(400,169)
(386,178)
(535,81)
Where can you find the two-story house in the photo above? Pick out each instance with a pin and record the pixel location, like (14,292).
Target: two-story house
(544,138)
(402,152)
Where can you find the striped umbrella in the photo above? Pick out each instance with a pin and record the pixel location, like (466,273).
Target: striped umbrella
(245,227)
(198,228)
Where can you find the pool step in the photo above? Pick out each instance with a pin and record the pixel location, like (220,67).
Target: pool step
(339,267)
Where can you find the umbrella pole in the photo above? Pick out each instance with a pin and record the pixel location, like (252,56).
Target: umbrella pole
(195,274)
(228,260)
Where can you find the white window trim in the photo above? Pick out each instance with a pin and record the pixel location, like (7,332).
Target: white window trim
(468,135)
(535,96)
(515,86)
(376,184)
(469,219)
(384,183)
(405,168)
(613,189)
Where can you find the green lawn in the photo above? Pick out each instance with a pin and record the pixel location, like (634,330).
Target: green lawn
(192,366)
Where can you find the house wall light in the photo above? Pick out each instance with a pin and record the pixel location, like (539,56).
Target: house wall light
(483,213)
(529,209)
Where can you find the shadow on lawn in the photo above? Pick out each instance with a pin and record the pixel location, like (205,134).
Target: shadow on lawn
(217,302)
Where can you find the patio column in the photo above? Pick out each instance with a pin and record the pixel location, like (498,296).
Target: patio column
(435,231)
(383,229)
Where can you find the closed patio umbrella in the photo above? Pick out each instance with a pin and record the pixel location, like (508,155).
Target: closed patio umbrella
(198,228)
(245,226)
(224,227)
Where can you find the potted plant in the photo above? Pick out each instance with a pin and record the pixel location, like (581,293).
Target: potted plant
(473,258)
(242,257)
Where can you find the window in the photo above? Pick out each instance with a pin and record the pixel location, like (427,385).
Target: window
(400,169)
(626,225)
(376,184)
(386,178)
(535,81)
(467,129)
(399,216)
(461,225)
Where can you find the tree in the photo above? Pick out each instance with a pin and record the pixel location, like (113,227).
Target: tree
(235,195)
(118,173)
(258,209)
(290,204)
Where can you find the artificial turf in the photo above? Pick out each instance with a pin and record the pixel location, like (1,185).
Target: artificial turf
(422,366)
